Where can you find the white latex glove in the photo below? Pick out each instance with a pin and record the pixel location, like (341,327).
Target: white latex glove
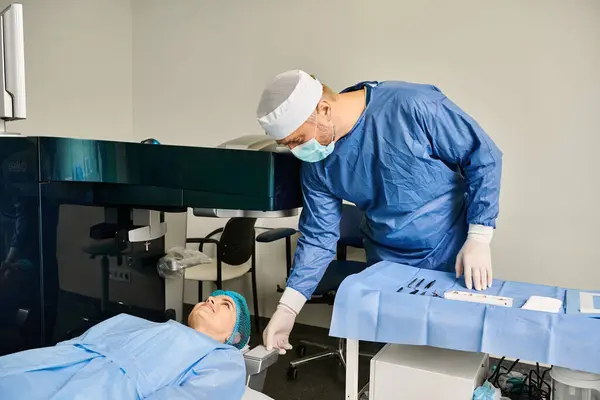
(475,258)
(277,333)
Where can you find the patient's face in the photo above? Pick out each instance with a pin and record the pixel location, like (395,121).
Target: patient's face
(214,317)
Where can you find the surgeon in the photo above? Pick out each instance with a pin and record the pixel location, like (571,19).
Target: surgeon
(128,358)
(423,171)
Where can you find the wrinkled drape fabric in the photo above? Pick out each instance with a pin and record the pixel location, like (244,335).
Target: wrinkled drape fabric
(127,358)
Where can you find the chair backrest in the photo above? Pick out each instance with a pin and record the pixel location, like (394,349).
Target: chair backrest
(350,233)
(338,270)
(237,240)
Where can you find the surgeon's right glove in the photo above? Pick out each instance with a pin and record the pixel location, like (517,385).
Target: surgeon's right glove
(277,333)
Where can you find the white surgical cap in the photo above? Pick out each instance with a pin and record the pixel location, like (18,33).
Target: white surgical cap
(287,102)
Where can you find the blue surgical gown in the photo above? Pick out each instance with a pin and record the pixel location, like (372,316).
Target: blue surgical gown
(128,358)
(419,167)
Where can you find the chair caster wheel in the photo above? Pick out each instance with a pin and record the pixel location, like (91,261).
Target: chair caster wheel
(301,351)
(292,373)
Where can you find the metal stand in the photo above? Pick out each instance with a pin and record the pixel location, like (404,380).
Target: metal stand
(351,369)
(328,352)
(174,296)
(176,236)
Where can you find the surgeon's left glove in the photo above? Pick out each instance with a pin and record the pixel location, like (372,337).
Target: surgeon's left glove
(475,258)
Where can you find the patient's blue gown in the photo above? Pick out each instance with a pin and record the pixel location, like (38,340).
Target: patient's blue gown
(128,358)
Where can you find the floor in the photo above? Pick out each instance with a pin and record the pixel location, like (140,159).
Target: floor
(323,379)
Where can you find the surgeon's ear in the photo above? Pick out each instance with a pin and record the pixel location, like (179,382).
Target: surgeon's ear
(324,109)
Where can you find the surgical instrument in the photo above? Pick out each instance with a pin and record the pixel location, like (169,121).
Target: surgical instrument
(399,290)
(419,284)
(423,294)
(430,284)
(415,291)
(411,282)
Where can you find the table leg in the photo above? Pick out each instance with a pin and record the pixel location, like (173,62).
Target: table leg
(351,369)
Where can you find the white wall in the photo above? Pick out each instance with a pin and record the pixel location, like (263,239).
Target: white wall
(183,95)
(78,61)
(528,71)
(78,56)
(190,73)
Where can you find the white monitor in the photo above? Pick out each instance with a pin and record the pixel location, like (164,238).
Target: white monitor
(12,65)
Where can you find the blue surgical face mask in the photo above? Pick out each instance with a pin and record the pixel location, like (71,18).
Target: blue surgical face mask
(313,151)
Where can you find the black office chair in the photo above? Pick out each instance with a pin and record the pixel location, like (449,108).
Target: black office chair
(337,271)
(235,248)
(275,234)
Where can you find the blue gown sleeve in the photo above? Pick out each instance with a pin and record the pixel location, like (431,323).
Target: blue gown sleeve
(219,375)
(457,139)
(319,227)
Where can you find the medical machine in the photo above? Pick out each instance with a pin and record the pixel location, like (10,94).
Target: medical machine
(423,372)
(568,384)
(83,224)
(12,66)
(257,361)
(251,143)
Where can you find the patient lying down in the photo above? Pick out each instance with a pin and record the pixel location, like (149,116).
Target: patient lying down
(127,357)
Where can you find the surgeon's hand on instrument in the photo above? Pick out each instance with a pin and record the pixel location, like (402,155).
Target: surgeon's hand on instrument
(277,333)
(475,258)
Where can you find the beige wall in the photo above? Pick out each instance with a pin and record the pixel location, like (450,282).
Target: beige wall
(190,72)
(78,68)
(528,71)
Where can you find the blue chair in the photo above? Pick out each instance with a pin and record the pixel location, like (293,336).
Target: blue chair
(337,271)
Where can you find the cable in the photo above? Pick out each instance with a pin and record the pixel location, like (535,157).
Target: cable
(495,383)
(493,378)
(533,387)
